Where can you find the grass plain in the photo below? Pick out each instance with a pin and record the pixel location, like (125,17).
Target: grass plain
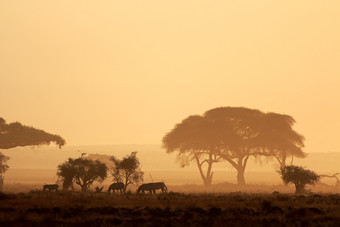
(190,205)
(23,202)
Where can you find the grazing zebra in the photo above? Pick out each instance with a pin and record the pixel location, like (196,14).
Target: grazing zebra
(116,186)
(51,187)
(98,190)
(152,187)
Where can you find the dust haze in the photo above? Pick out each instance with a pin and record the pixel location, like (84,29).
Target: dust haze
(36,166)
(189,112)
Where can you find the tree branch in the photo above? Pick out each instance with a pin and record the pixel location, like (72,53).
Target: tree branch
(228,158)
(245,161)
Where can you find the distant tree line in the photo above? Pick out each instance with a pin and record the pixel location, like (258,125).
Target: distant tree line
(233,135)
(229,134)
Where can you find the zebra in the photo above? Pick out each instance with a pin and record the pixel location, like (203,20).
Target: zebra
(152,187)
(116,186)
(51,187)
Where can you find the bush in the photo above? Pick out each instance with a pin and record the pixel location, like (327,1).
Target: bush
(82,171)
(298,176)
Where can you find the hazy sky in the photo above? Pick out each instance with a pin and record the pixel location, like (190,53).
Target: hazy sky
(122,72)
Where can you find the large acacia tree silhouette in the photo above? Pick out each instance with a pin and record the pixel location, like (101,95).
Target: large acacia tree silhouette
(15,135)
(233,134)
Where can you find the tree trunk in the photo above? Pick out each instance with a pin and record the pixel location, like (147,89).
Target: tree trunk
(84,187)
(125,187)
(209,175)
(127,176)
(240,176)
(283,161)
(299,188)
(207,179)
(241,167)
(1,182)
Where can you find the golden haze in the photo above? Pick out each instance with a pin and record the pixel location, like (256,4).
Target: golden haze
(122,72)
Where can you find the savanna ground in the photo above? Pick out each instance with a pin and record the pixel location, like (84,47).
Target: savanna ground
(190,205)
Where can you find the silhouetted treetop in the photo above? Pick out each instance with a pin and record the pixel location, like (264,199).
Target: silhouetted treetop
(197,133)
(127,170)
(15,135)
(82,171)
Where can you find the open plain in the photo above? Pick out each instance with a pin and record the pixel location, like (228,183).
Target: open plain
(36,208)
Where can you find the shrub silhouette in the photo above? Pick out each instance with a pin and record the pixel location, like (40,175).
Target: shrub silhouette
(127,170)
(83,171)
(298,176)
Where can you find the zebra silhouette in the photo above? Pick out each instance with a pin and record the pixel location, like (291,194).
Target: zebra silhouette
(51,187)
(116,186)
(152,187)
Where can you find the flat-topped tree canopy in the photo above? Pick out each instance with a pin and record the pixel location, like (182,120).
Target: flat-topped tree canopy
(234,134)
(18,135)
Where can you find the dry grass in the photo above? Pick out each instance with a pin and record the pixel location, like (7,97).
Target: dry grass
(174,208)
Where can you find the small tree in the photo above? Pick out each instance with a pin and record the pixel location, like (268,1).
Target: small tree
(3,168)
(82,171)
(127,170)
(298,176)
(66,172)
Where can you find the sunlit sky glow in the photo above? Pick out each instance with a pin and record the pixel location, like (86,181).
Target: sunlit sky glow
(125,72)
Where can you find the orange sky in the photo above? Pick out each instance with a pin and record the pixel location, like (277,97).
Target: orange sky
(123,72)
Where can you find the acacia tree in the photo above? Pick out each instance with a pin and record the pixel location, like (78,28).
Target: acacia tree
(82,171)
(233,134)
(221,133)
(127,170)
(298,176)
(15,135)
